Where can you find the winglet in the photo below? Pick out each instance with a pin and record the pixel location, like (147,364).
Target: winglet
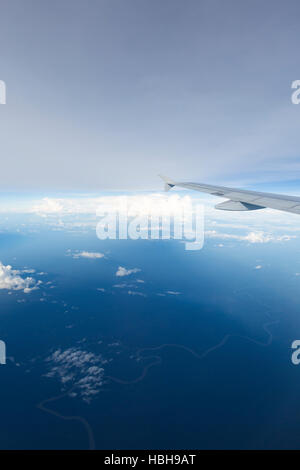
(168,182)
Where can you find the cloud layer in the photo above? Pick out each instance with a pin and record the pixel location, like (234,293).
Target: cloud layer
(11,279)
(252,237)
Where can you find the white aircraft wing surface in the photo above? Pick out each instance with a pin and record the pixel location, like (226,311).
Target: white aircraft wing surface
(241,199)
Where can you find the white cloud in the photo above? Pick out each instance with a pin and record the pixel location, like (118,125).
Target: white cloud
(251,237)
(156,203)
(126,272)
(259,266)
(87,254)
(261,237)
(10,279)
(168,292)
(130,292)
(78,368)
(48,206)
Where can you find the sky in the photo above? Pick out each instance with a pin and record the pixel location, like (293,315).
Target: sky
(106,94)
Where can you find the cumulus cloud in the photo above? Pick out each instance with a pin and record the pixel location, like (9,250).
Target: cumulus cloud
(87,254)
(48,206)
(126,272)
(261,237)
(252,237)
(131,204)
(79,369)
(259,266)
(11,279)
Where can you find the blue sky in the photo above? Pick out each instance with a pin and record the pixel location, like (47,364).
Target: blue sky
(105,94)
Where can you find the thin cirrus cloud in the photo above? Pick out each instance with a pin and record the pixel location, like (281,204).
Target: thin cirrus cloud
(11,279)
(121,272)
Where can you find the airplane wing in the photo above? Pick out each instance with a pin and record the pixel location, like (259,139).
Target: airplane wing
(241,199)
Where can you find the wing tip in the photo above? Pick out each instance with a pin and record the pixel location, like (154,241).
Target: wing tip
(169,184)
